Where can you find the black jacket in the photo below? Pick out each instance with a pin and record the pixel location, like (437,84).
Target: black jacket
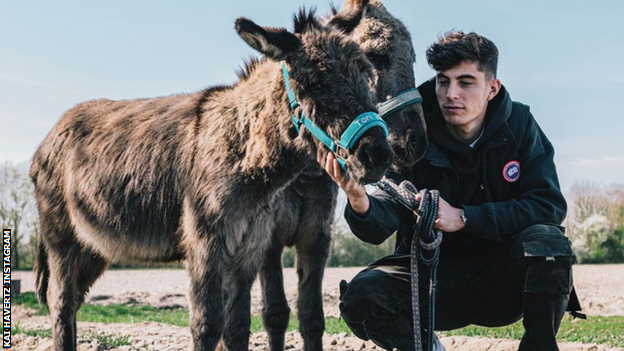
(496,206)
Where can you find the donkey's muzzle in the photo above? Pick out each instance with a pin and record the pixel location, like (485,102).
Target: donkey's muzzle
(376,157)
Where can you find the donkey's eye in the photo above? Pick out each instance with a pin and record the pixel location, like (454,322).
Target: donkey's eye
(379,61)
(316,89)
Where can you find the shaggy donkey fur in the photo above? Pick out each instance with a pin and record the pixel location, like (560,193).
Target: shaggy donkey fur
(194,176)
(304,210)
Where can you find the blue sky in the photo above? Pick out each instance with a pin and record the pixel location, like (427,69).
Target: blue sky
(564,59)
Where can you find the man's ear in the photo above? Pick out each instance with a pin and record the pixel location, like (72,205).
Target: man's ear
(494,86)
(350,16)
(274,43)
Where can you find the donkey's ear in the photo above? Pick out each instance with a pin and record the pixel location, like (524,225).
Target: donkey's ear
(274,43)
(350,16)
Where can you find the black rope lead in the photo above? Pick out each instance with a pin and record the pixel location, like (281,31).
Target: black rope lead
(425,245)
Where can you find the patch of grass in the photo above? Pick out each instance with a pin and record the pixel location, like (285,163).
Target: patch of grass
(114,313)
(132,314)
(256,324)
(336,326)
(29,300)
(41,333)
(597,329)
(106,339)
(332,325)
(109,340)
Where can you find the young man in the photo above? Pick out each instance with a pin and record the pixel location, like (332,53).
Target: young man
(504,255)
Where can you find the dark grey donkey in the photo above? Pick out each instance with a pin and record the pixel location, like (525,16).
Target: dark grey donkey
(194,176)
(304,210)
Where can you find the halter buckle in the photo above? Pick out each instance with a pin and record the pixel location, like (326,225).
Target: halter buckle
(338,151)
(293,104)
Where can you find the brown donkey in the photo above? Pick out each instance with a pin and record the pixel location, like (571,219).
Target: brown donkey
(194,176)
(304,210)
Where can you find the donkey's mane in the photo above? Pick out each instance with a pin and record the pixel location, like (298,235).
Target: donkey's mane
(205,95)
(242,72)
(305,18)
(249,66)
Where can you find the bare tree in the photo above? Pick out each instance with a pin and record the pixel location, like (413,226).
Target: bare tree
(17,206)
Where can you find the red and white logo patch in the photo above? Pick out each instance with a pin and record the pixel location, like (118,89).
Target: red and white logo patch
(511,171)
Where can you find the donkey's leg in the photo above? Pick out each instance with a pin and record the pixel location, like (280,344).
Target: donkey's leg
(63,295)
(58,261)
(92,265)
(312,253)
(204,260)
(237,281)
(275,312)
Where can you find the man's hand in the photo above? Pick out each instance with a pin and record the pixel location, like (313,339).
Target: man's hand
(356,192)
(449,218)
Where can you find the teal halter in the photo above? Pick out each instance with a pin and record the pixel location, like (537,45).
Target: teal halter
(354,132)
(403,99)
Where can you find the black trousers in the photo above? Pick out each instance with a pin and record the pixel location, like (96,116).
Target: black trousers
(529,276)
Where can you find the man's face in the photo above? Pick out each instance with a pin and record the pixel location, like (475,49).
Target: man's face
(463,94)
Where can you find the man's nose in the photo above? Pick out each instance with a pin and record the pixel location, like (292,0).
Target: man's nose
(452,93)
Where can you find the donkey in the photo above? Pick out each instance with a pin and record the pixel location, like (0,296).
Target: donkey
(195,176)
(304,210)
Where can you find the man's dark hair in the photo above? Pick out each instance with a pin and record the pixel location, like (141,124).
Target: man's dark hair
(455,47)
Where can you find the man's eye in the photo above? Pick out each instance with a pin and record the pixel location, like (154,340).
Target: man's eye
(443,82)
(465,83)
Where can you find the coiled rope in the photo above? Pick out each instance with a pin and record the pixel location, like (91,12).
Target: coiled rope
(425,245)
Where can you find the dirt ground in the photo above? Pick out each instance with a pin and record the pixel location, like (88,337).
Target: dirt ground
(600,290)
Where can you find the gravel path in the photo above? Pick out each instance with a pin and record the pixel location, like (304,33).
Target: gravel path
(599,288)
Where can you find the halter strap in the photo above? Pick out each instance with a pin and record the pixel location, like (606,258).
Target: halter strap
(403,99)
(354,132)
(292,99)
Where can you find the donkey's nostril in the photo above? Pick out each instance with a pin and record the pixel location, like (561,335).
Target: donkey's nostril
(380,156)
